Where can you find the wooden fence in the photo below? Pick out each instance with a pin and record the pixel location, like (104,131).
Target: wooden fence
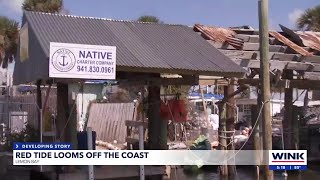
(108,120)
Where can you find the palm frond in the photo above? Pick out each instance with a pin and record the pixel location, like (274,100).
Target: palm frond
(9,31)
(52,6)
(310,19)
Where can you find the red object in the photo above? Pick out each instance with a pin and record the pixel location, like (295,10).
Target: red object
(164,111)
(179,111)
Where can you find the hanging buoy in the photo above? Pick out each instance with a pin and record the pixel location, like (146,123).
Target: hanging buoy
(178,109)
(164,111)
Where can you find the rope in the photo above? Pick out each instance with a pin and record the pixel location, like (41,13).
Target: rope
(257,120)
(70,115)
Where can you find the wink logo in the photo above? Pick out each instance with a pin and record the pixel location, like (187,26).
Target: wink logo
(288,159)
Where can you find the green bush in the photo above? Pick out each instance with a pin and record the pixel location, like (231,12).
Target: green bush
(28,134)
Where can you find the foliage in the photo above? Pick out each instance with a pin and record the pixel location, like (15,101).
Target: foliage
(148,18)
(310,19)
(28,134)
(9,34)
(48,6)
(201,143)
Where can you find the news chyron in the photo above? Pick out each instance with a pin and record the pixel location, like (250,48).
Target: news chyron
(288,160)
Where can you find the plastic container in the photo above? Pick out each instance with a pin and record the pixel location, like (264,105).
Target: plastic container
(83,140)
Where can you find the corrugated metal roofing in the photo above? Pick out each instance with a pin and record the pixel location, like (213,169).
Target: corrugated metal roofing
(220,35)
(304,38)
(145,46)
(310,39)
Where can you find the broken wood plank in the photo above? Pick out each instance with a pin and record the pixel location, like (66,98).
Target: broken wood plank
(311,59)
(289,43)
(239,54)
(312,75)
(256,47)
(285,57)
(274,64)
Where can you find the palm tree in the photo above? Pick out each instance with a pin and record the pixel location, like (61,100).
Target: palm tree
(310,19)
(152,19)
(48,6)
(9,33)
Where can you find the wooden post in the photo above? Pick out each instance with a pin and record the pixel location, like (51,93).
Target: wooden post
(62,112)
(230,120)
(222,134)
(157,128)
(287,123)
(265,79)
(39,104)
(255,110)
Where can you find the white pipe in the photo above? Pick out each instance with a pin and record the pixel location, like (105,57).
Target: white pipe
(89,138)
(141,147)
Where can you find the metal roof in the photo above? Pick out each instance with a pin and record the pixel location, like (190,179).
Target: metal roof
(220,35)
(141,47)
(304,38)
(310,39)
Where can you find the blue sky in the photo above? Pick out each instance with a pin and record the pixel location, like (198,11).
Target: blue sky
(210,12)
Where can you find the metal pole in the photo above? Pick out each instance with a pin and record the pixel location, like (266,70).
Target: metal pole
(41,132)
(89,138)
(141,147)
(265,81)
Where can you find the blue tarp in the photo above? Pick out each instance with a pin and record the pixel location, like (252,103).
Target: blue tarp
(26,88)
(101,82)
(207,96)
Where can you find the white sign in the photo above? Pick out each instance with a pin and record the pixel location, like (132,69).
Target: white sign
(82,61)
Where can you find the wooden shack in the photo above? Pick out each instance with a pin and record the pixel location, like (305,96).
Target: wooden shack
(144,52)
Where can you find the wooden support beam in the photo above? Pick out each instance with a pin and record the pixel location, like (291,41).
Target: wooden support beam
(222,134)
(230,119)
(247,46)
(240,54)
(287,122)
(254,38)
(157,128)
(191,80)
(284,83)
(312,76)
(219,82)
(311,59)
(62,112)
(39,104)
(275,64)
